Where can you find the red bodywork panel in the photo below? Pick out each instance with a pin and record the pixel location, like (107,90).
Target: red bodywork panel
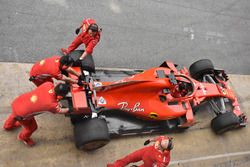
(143,96)
(79,99)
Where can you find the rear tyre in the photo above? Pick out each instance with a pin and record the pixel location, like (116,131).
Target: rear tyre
(200,68)
(225,122)
(91,134)
(74,119)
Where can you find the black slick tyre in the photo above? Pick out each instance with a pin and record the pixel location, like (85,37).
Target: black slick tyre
(201,67)
(224,122)
(74,119)
(86,64)
(91,134)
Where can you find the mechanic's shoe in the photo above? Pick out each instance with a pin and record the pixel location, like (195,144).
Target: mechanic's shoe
(64,51)
(28,141)
(8,128)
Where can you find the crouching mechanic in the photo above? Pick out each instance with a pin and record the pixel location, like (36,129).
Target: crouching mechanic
(54,67)
(90,36)
(156,155)
(26,106)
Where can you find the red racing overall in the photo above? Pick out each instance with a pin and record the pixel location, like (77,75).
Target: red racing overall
(89,41)
(27,105)
(45,70)
(150,156)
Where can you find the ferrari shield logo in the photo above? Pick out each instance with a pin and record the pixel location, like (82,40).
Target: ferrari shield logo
(153,115)
(50,91)
(42,62)
(33,98)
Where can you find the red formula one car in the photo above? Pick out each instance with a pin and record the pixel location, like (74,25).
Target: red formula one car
(156,100)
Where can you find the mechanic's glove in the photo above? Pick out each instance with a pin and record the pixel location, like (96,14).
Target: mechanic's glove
(146,142)
(77,31)
(71,109)
(32,78)
(81,78)
(79,83)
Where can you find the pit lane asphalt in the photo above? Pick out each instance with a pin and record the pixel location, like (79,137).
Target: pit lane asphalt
(136,34)
(195,147)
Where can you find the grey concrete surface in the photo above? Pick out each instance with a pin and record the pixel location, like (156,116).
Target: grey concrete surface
(195,147)
(136,34)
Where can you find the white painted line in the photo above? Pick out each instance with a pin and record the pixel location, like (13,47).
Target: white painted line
(209,157)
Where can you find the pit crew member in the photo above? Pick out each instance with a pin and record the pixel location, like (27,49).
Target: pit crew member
(44,98)
(89,36)
(156,155)
(54,67)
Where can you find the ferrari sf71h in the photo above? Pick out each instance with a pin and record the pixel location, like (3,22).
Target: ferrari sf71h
(156,100)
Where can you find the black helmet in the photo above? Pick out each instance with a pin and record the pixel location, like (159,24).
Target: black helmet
(93,27)
(61,89)
(66,60)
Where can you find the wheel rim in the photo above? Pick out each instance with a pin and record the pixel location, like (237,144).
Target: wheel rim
(94,145)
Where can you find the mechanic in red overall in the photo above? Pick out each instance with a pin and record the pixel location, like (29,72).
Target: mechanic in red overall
(157,155)
(53,67)
(26,106)
(90,36)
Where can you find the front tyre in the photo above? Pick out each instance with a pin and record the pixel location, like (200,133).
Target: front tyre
(225,122)
(200,68)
